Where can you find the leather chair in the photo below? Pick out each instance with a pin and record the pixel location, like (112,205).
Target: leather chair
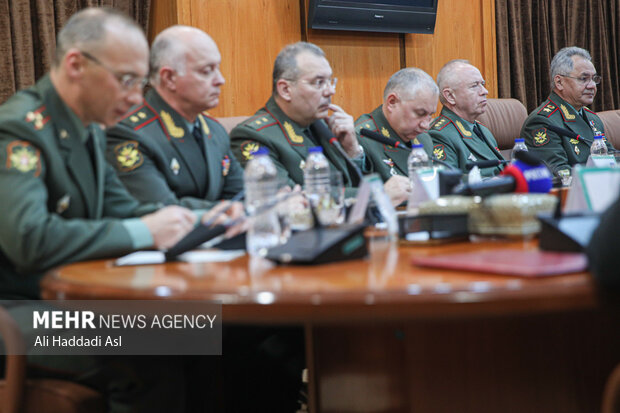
(230,122)
(611,396)
(504,118)
(18,394)
(611,120)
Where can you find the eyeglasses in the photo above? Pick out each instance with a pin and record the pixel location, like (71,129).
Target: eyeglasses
(584,80)
(127,80)
(320,83)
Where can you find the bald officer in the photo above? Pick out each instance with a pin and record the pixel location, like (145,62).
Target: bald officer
(574,80)
(458,137)
(409,101)
(167,149)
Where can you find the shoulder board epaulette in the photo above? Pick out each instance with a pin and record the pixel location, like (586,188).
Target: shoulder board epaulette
(367,123)
(440,123)
(548,109)
(260,121)
(37,117)
(139,117)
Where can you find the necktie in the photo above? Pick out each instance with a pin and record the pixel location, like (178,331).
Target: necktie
(90,147)
(478,132)
(310,136)
(197,132)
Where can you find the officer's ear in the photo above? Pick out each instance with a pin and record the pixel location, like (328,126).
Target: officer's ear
(73,63)
(558,82)
(283,87)
(391,101)
(448,95)
(167,78)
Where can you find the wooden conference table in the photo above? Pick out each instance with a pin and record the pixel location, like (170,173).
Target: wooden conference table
(383,335)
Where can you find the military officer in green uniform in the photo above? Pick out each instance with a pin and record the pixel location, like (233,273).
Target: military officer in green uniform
(61,202)
(166,149)
(574,81)
(458,137)
(296,117)
(409,101)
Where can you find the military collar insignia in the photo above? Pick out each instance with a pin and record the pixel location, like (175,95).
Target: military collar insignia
(175,166)
(439,152)
(541,137)
(462,129)
(37,118)
(566,113)
(128,157)
(292,134)
(416,141)
(385,132)
(63,204)
(574,141)
(174,130)
(23,157)
(205,127)
(225,165)
(248,148)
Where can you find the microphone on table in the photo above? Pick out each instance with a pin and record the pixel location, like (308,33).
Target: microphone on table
(526,174)
(319,128)
(487,163)
(377,137)
(567,133)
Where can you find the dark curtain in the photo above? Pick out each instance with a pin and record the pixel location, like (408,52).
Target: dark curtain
(28,35)
(530,32)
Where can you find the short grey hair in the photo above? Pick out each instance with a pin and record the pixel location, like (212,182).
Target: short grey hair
(87,30)
(167,50)
(562,63)
(447,75)
(408,82)
(285,66)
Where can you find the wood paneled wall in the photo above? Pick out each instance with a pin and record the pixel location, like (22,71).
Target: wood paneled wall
(250,33)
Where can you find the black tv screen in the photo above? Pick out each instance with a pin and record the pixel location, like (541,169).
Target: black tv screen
(395,16)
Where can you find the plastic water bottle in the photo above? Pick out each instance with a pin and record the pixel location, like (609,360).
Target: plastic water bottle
(519,146)
(418,161)
(316,179)
(598,146)
(261,187)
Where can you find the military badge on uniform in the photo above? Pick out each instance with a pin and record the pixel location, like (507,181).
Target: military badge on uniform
(205,127)
(63,204)
(540,137)
(225,165)
(128,157)
(577,151)
(389,162)
(24,157)
(290,131)
(175,166)
(385,132)
(63,134)
(248,148)
(439,152)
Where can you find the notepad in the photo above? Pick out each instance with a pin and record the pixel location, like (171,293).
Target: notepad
(509,262)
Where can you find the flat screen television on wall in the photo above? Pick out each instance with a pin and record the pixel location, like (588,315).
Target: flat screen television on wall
(393,16)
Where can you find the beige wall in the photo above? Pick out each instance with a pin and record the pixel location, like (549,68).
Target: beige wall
(250,34)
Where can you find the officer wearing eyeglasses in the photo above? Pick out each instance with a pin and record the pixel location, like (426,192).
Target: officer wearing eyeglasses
(61,202)
(574,80)
(303,87)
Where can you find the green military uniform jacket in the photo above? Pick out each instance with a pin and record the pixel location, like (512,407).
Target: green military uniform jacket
(561,153)
(57,207)
(386,160)
(159,160)
(456,144)
(287,144)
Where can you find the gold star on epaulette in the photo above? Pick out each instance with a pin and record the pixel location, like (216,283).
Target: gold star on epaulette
(439,123)
(134,118)
(385,132)
(258,122)
(142,115)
